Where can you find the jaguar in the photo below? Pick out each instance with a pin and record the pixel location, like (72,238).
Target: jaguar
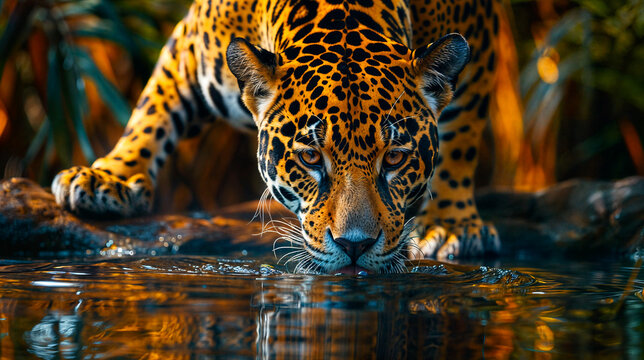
(350,100)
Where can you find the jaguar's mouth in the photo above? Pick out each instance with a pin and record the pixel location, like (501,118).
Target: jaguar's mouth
(331,260)
(353,269)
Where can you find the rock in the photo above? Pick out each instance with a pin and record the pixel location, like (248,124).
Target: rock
(574,218)
(33,225)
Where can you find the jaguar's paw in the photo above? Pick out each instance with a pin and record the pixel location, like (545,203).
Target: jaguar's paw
(95,192)
(460,241)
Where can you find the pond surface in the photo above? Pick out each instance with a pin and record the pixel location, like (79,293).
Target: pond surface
(181,307)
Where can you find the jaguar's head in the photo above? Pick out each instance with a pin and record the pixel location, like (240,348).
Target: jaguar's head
(348,138)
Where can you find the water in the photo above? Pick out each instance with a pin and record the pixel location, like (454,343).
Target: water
(203,307)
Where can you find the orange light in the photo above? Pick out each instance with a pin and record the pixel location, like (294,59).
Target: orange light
(4,119)
(505,112)
(546,338)
(631,138)
(548,70)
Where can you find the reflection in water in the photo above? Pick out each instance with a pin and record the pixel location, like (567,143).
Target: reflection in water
(55,335)
(194,307)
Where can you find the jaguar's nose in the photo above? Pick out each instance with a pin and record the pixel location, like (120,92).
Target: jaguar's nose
(355,248)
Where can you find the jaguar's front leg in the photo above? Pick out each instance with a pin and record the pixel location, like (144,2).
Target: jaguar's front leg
(122,183)
(449,222)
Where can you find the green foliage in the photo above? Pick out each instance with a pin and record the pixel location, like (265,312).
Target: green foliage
(136,26)
(617,47)
(599,49)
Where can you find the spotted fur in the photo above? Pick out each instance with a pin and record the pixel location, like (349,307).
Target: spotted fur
(352,81)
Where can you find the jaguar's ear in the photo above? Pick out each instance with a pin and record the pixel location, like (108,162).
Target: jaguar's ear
(255,70)
(438,65)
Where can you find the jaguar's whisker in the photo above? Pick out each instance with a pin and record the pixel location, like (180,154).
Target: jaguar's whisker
(294,256)
(311,267)
(289,228)
(300,265)
(286,233)
(297,258)
(287,247)
(405,118)
(261,212)
(392,106)
(284,223)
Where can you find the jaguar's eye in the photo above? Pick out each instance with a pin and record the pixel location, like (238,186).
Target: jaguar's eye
(393,159)
(311,158)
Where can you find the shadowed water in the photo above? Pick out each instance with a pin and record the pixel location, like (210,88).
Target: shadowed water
(204,307)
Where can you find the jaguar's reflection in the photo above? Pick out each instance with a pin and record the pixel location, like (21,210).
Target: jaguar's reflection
(291,319)
(169,309)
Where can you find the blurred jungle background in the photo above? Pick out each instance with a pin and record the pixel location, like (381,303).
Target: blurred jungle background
(572,105)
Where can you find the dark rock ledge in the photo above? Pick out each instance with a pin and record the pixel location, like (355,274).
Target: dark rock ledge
(575,218)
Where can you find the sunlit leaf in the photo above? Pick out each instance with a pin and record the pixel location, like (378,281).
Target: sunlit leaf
(109,93)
